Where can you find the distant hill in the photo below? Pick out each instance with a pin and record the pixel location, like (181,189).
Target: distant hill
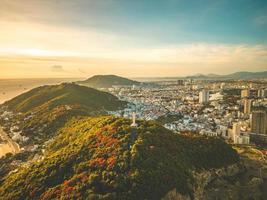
(107,81)
(46,108)
(52,96)
(237,75)
(248,75)
(105,158)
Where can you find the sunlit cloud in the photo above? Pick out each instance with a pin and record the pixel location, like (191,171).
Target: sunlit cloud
(57,68)
(35,38)
(165,61)
(85,39)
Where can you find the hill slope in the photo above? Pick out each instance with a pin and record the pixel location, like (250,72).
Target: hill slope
(63,94)
(46,108)
(107,81)
(103,158)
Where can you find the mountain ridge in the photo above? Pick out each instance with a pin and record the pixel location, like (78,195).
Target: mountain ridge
(236,75)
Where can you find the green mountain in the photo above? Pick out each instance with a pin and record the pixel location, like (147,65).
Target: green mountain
(107,81)
(46,108)
(105,158)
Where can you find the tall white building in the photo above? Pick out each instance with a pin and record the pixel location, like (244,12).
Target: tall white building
(236,129)
(204,96)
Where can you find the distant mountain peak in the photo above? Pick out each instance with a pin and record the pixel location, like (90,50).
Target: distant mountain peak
(107,81)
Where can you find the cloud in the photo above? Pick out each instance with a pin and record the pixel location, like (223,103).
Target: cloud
(57,68)
(82,71)
(193,53)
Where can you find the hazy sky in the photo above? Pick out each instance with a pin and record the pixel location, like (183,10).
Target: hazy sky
(67,38)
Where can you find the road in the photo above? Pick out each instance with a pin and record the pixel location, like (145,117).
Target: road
(10,146)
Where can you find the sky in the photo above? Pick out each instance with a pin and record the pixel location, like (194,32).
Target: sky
(141,38)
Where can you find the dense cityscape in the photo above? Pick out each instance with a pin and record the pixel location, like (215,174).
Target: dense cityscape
(235,110)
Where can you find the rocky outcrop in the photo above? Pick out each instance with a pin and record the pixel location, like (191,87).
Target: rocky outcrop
(174,195)
(202,180)
(229,183)
(205,178)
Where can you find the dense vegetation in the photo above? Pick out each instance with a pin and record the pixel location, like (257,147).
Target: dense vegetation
(107,81)
(47,108)
(105,158)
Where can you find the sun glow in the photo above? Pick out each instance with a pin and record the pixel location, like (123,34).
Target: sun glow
(35,52)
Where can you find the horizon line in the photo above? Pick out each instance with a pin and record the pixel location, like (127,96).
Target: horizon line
(84,77)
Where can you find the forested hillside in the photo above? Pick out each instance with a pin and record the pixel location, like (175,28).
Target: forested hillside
(106,158)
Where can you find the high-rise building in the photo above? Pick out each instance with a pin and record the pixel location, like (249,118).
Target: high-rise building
(247,106)
(262,93)
(245,93)
(258,122)
(234,133)
(236,129)
(204,96)
(180,82)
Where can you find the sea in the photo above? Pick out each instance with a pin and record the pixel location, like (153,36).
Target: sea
(10,88)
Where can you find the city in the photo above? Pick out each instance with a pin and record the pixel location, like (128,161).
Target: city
(233,110)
